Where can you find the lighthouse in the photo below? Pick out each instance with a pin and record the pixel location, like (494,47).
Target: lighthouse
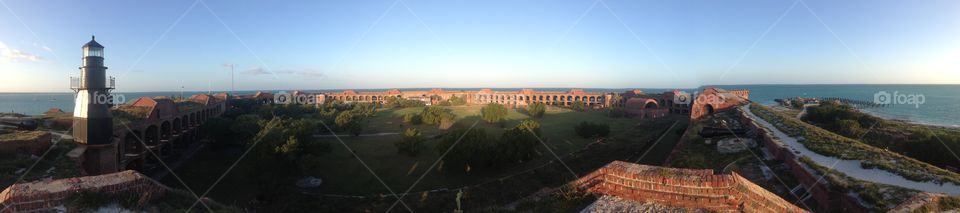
(92,120)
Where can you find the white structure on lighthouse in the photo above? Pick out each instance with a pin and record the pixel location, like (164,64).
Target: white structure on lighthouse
(92,119)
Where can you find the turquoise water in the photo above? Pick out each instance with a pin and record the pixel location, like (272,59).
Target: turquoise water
(941,102)
(37,103)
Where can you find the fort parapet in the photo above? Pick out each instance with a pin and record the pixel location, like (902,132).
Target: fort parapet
(46,196)
(688,188)
(827,198)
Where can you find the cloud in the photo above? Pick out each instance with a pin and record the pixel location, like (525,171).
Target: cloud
(304,73)
(311,74)
(256,71)
(8,53)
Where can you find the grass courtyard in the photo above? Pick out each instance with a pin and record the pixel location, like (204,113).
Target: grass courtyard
(344,174)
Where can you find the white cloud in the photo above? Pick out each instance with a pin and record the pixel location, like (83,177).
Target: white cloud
(7,53)
(304,73)
(256,71)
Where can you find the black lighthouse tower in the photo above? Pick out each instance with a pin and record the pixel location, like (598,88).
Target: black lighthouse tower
(92,119)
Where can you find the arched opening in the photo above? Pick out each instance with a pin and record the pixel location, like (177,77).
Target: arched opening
(177,128)
(165,131)
(650,105)
(132,145)
(152,136)
(708,108)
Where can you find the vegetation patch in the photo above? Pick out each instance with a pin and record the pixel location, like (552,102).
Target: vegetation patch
(879,197)
(830,144)
(21,135)
(929,144)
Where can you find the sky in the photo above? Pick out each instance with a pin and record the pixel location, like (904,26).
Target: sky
(190,44)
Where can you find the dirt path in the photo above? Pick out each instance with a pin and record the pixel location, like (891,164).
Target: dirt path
(804,111)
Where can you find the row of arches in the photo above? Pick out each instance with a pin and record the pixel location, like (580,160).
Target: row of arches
(560,99)
(166,139)
(363,98)
(590,100)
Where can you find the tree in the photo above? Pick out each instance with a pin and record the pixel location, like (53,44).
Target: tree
(411,142)
(473,149)
(519,143)
(435,114)
(515,145)
(350,121)
(219,129)
(578,106)
(493,113)
(536,109)
(413,118)
(246,126)
(457,101)
(529,125)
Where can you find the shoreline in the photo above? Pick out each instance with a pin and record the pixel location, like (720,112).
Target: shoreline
(892,119)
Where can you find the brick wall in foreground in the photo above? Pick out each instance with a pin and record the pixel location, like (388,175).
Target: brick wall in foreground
(44,196)
(688,188)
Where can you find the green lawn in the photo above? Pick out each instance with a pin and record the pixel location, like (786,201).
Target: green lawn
(343,174)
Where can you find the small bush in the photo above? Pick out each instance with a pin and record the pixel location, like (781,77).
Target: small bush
(88,200)
(494,113)
(411,143)
(413,118)
(578,106)
(536,109)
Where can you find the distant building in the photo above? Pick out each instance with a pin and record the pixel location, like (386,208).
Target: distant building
(509,98)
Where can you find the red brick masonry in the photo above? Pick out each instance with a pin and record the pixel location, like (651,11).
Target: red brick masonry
(35,146)
(689,188)
(44,196)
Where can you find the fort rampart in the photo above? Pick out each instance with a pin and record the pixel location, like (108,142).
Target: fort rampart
(689,188)
(46,196)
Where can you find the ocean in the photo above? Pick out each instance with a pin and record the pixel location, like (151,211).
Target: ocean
(924,104)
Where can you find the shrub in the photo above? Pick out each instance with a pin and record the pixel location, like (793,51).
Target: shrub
(435,114)
(473,149)
(411,142)
(578,106)
(349,121)
(587,129)
(493,113)
(519,143)
(413,118)
(536,109)
(529,125)
(457,101)
(88,200)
